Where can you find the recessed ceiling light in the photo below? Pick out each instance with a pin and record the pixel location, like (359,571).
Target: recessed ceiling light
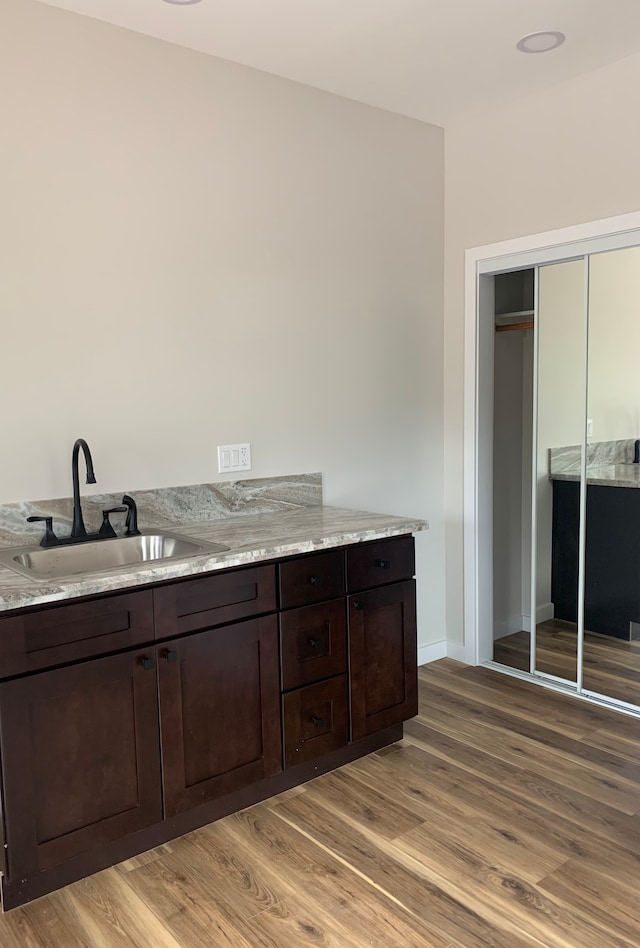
(540,42)
(182,3)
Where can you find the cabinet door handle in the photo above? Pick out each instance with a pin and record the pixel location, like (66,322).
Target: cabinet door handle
(317,722)
(170,655)
(146,662)
(316,580)
(315,643)
(358,605)
(383,564)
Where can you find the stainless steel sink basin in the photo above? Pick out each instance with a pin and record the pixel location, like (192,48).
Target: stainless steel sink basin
(96,557)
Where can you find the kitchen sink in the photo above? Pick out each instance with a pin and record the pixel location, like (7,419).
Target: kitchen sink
(76,559)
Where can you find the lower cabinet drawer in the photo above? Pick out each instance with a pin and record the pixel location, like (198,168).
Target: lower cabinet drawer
(380,562)
(316,720)
(313,643)
(215,599)
(311,578)
(60,634)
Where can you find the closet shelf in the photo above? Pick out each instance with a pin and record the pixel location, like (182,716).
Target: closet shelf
(511,327)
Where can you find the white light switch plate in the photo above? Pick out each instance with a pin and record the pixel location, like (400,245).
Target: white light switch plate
(234,457)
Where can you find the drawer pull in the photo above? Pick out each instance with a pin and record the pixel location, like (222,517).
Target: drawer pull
(146,662)
(383,564)
(170,655)
(315,643)
(358,605)
(316,580)
(317,722)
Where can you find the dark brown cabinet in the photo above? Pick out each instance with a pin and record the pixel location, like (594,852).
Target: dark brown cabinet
(382,634)
(377,631)
(130,719)
(219,711)
(313,648)
(383,658)
(80,759)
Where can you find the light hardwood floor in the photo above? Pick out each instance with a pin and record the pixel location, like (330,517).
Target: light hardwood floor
(611,666)
(509,816)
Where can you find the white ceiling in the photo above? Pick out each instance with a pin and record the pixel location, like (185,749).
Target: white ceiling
(429,59)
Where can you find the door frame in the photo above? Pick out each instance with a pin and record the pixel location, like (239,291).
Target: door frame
(481,263)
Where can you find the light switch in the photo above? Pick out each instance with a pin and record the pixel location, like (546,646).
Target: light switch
(234,457)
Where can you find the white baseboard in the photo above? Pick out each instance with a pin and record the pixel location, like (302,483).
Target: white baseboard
(545,612)
(510,626)
(442,649)
(522,623)
(431,653)
(459,653)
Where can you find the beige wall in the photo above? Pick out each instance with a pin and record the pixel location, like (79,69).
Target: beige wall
(194,253)
(561,157)
(614,343)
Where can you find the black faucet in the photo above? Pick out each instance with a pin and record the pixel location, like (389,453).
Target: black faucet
(78,528)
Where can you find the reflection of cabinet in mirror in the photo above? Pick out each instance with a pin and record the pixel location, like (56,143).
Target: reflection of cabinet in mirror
(612,552)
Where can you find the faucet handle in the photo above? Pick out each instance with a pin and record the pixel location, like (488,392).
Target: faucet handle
(106,530)
(132,517)
(49,538)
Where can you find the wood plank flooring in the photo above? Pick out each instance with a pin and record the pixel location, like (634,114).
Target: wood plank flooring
(611,666)
(508,817)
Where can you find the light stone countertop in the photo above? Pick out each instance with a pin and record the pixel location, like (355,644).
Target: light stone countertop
(606,475)
(251,539)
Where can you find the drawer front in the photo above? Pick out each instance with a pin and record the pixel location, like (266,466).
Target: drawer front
(313,643)
(32,641)
(316,720)
(312,578)
(380,562)
(211,600)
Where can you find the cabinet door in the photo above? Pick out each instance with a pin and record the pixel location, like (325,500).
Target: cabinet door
(80,759)
(383,658)
(219,711)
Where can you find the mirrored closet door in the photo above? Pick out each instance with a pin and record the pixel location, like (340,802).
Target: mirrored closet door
(559,435)
(611,664)
(566,482)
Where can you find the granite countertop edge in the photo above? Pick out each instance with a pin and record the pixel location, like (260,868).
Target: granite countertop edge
(613,475)
(252,539)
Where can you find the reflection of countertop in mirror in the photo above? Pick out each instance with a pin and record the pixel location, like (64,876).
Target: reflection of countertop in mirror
(605,475)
